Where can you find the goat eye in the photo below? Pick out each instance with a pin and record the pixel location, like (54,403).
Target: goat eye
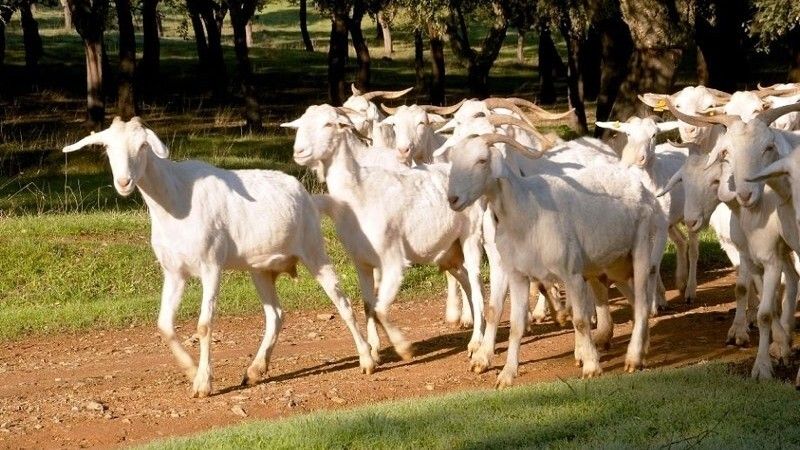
(482,161)
(769,148)
(714,182)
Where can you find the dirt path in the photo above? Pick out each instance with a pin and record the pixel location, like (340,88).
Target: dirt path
(115,388)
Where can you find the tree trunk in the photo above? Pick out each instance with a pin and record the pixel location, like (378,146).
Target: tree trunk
(126,97)
(212,22)
(719,45)
(574,81)
(419,59)
(360,46)
(241,13)
(703,77)
(794,51)
(151,46)
(520,45)
(616,51)
(304,26)
(94,82)
(547,66)
(386,33)
(199,36)
(5,17)
(31,40)
(337,55)
(67,15)
(478,63)
(591,51)
(437,66)
(248,34)
(658,38)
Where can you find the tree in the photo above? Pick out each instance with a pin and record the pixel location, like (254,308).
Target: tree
(384,19)
(550,65)
(31,40)
(304,26)
(775,20)
(337,52)
(151,45)
(719,37)
(6,11)
(437,65)
(478,63)
(241,13)
(89,17)
(659,30)
(126,96)
(206,17)
(360,45)
(616,47)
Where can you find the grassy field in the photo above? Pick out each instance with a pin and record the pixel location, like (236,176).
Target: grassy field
(699,407)
(73,254)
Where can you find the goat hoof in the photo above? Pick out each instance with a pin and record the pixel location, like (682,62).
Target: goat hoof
(465,323)
(405,351)
(633,364)
(479,362)
(367,364)
(591,370)
(762,371)
(690,300)
(504,379)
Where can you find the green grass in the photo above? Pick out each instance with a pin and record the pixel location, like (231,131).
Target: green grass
(75,271)
(698,407)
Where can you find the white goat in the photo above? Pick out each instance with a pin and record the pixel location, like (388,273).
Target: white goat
(659,164)
(598,221)
(389,219)
(366,116)
(766,218)
(205,219)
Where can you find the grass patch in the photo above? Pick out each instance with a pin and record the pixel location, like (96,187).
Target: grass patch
(702,406)
(75,271)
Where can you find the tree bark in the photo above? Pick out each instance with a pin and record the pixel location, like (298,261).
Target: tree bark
(337,54)
(241,13)
(591,51)
(719,43)
(67,15)
(386,34)
(248,34)
(520,45)
(437,66)
(31,41)
(794,52)
(478,63)
(5,16)
(199,34)
(89,18)
(419,59)
(94,82)
(360,46)
(658,37)
(126,95)
(151,45)
(616,48)
(212,16)
(574,80)
(547,66)
(304,26)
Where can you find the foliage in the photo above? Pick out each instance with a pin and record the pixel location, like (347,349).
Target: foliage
(774,19)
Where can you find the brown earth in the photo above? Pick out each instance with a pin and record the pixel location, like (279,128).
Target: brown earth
(119,387)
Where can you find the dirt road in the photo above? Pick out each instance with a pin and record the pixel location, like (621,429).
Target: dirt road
(115,388)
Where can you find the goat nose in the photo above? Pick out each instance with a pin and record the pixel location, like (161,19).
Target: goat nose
(124,181)
(746,196)
(453,199)
(691,224)
(404,150)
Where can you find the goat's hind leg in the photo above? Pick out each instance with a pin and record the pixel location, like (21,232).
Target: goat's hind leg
(273,319)
(210,278)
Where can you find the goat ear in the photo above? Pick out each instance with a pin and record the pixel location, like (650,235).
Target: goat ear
(436,118)
(156,145)
(657,101)
(92,139)
(449,126)
(447,145)
(667,126)
(776,169)
(676,178)
(616,126)
(295,124)
(716,154)
(497,163)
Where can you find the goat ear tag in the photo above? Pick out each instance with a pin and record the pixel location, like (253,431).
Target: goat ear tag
(661,105)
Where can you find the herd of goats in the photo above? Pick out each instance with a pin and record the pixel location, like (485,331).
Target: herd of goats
(422,184)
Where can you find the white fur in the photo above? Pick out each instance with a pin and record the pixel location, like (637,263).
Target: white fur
(204,220)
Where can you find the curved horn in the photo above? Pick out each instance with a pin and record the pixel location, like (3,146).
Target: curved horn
(538,111)
(680,144)
(676,178)
(494,103)
(388,109)
(92,139)
(770,115)
(443,110)
(504,119)
(386,94)
(347,111)
(354,89)
(701,121)
(495,138)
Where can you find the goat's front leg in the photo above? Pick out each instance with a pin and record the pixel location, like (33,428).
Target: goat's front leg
(472,265)
(762,368)
(273,319)
(586,353)
(209,277)
(452,312)
(367,285)
(174,284)
(605,324)
(682,257)
(738,333)
(387,292)
(782,339)
(498,286)
(519,287)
